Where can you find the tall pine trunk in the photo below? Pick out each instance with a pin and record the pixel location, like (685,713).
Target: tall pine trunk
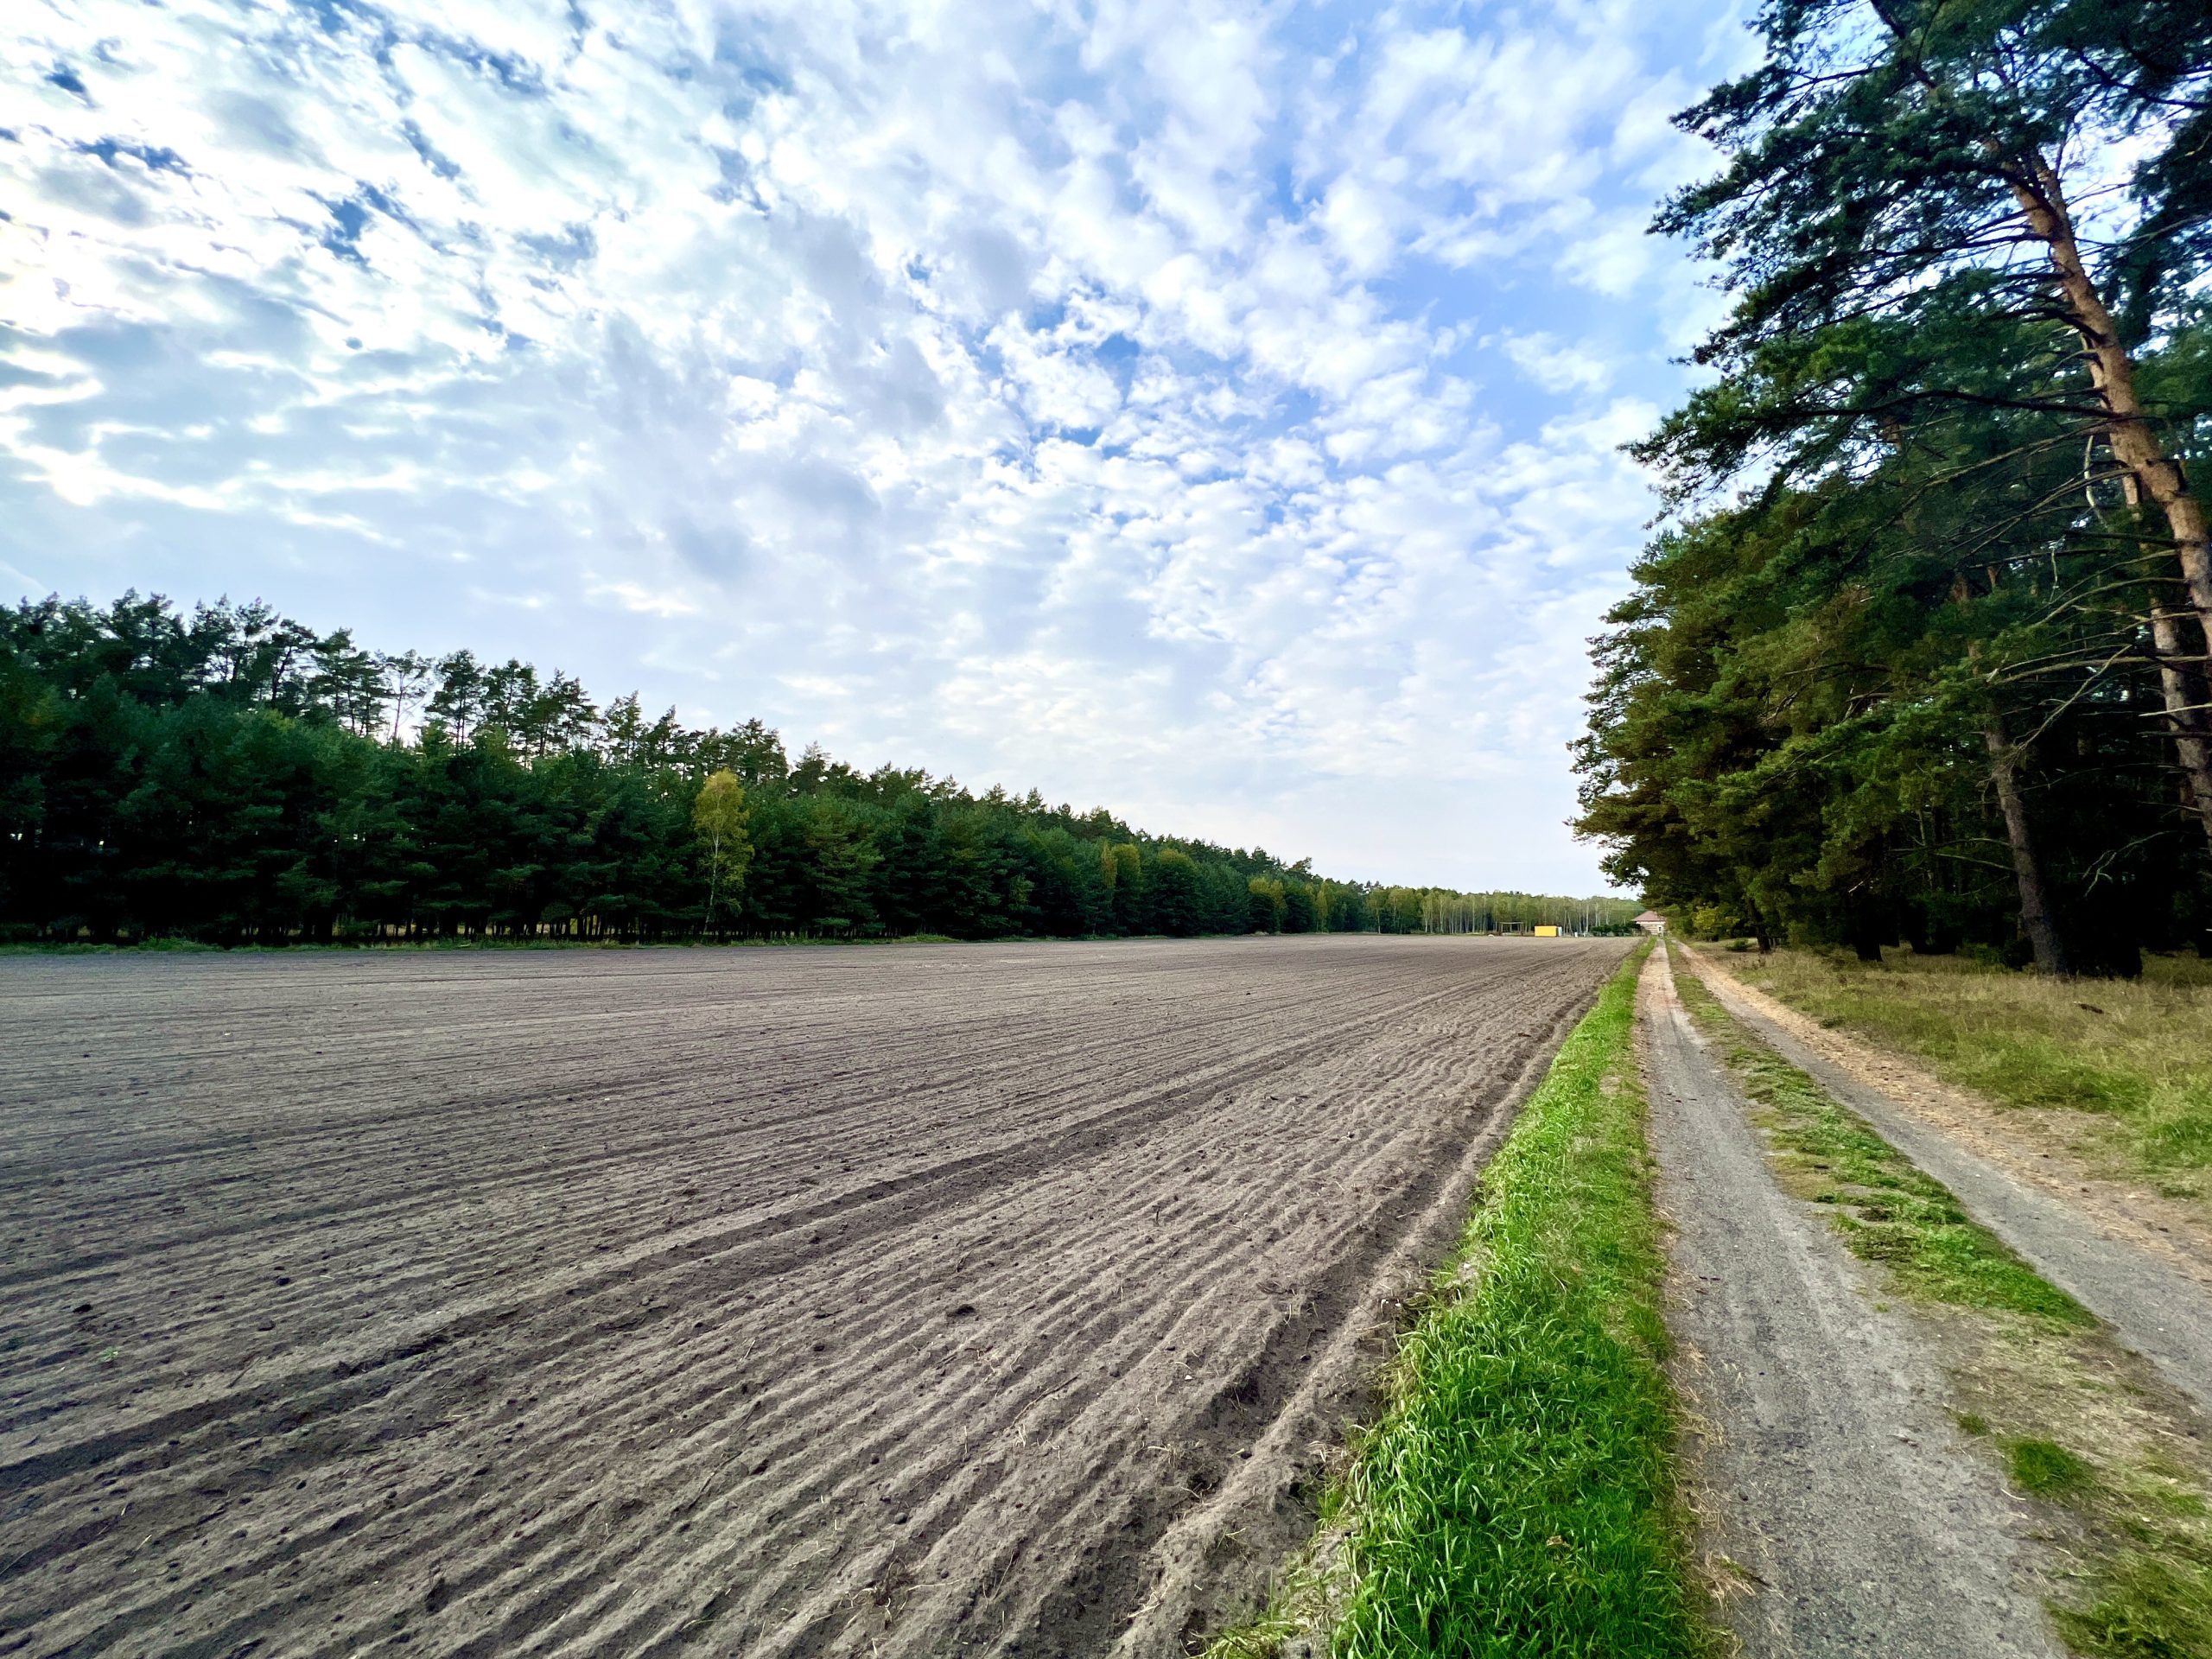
(2180,682)
(2035,919)
(2149,473)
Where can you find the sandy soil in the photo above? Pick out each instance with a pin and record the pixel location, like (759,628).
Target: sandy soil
(1838,1510)
(2111,1248)
(927,1299)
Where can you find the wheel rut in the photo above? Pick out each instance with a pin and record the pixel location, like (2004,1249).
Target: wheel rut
(2151,1297)
(1828,1481)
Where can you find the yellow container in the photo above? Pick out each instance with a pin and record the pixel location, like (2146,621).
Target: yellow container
(1548,932)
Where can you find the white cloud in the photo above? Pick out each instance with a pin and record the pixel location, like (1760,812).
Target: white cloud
(1114,398)
(1557,365)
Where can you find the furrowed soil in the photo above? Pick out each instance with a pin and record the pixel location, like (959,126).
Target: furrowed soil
(934,1300)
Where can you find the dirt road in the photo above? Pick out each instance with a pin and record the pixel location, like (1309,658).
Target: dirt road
(1824,1467)
(2153,1302)
(924,1300)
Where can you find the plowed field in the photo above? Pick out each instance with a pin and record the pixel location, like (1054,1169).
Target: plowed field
(910,1301)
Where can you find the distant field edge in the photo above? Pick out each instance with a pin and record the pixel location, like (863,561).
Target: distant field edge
(1518,1494)
(162,944)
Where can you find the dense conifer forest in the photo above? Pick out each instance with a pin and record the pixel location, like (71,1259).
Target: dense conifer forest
(233,776)
(1920,651)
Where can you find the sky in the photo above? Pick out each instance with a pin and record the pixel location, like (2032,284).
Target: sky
(1209,410)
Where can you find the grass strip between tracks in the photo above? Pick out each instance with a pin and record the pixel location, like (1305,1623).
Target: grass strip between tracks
(2116,1459)
(1516,1497)
(1886,1209)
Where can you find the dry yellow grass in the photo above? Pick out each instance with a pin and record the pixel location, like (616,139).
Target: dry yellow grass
(2136,1053)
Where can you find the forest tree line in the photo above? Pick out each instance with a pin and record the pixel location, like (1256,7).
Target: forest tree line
(233,776)
(1919,653)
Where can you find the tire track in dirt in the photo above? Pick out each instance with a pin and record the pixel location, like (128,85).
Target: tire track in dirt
(2156,1294)
(785,1302)
(1850,1514)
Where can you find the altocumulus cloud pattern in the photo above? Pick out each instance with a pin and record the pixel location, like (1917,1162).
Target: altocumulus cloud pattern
(1213,409)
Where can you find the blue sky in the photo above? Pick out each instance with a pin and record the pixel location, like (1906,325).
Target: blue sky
(1208,410)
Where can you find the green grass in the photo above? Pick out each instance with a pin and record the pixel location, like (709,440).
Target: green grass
(2149,1608)
(1887,1210)
(2137,1052)
(1516,1497)
(2078,1423)
(2045,1467)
